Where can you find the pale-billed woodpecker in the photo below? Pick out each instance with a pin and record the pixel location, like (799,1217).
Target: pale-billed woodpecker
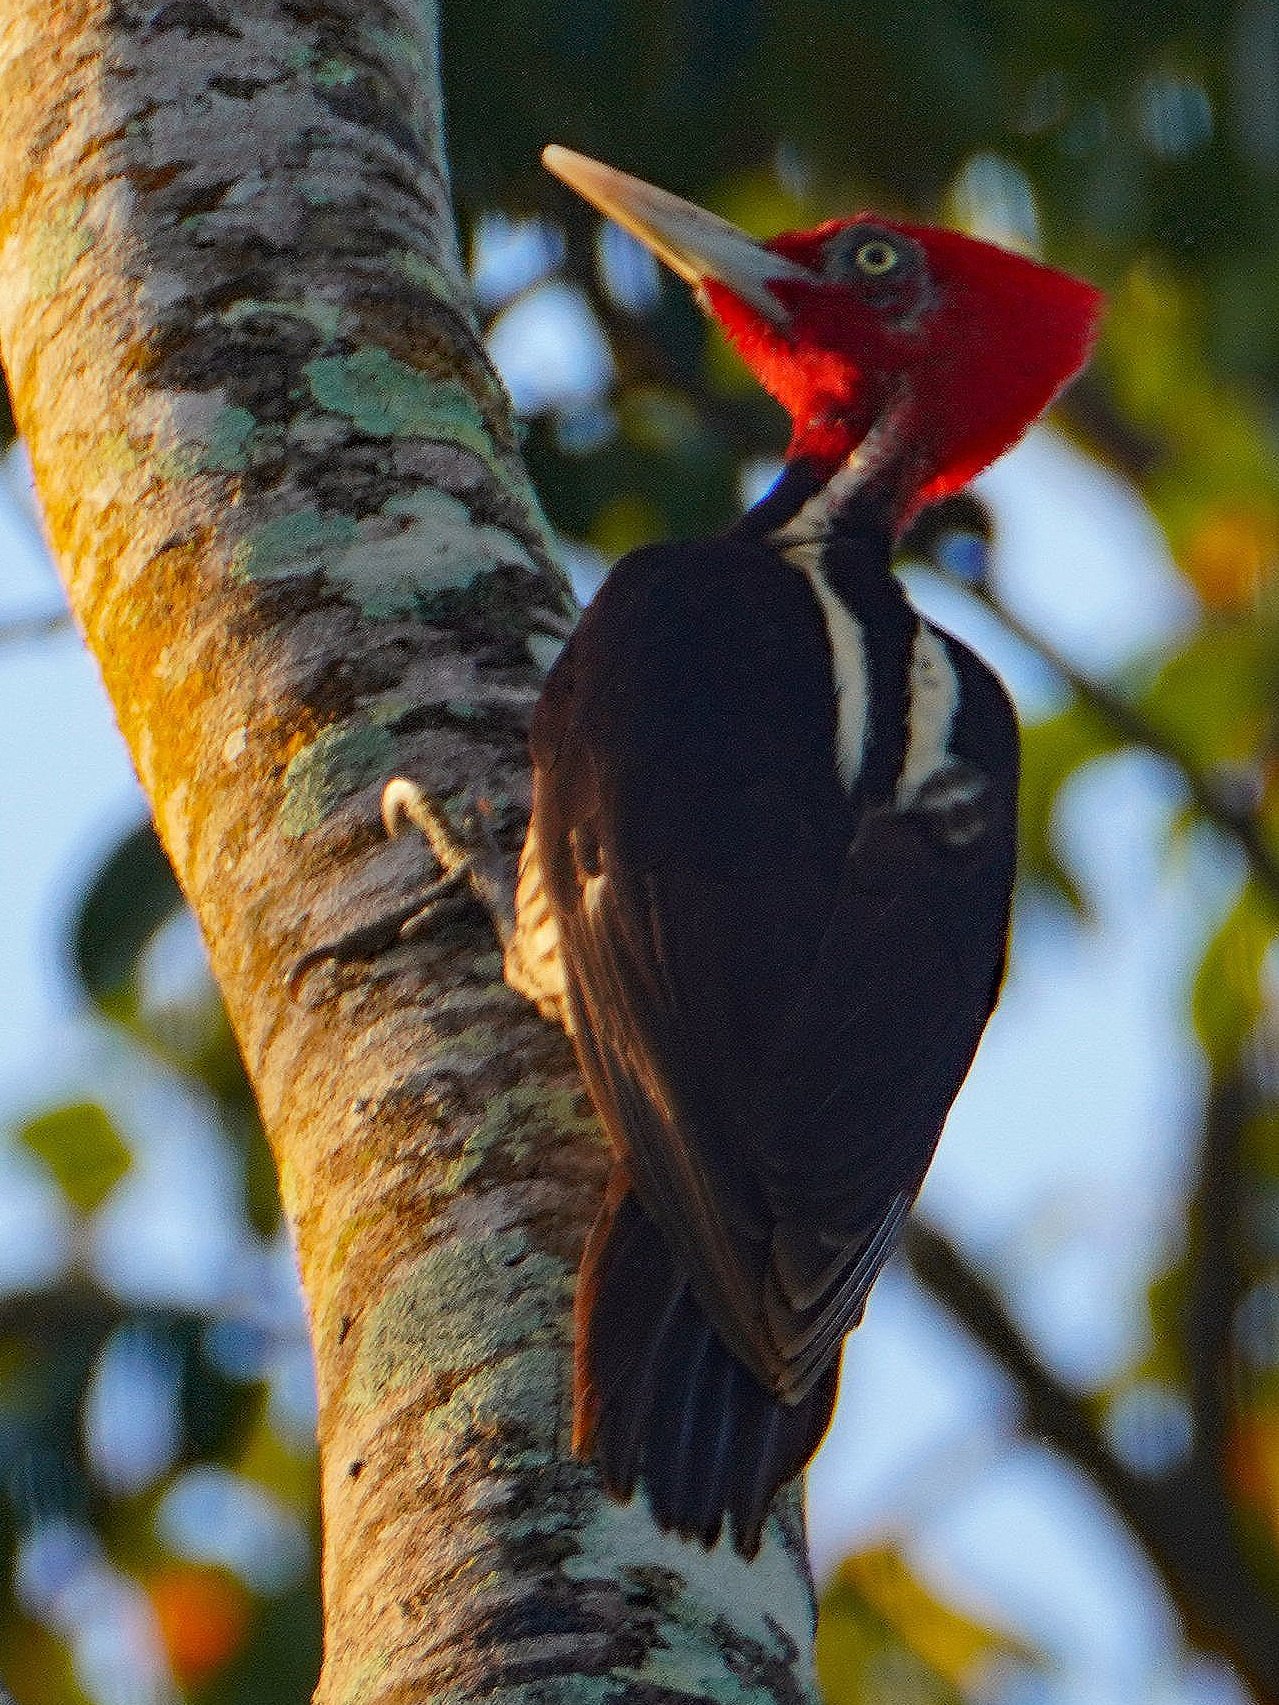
(772,848)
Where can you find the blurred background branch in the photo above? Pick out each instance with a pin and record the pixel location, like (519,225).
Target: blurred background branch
(42,624)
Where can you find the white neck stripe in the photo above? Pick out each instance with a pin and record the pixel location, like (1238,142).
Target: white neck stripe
(815,518)
(849,666)
(934,700)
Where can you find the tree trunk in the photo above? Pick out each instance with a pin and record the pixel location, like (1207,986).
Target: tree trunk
(281,484)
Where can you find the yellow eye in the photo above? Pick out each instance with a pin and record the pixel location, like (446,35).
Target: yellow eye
(876,258)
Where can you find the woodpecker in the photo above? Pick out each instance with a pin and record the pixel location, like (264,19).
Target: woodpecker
(772,848)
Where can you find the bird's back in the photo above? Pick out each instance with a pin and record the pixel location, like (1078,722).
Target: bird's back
(737,977)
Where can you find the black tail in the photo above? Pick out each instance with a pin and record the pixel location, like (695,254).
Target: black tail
(660,1402)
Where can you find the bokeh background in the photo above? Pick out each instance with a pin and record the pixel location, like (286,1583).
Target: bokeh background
(1054,1473)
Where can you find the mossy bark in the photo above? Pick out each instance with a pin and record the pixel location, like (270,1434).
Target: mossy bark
(281,484)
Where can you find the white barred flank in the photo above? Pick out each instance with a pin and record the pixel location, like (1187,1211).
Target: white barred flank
(533,966)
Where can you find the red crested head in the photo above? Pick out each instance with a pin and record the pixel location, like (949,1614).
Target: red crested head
(944,347)
(961,344)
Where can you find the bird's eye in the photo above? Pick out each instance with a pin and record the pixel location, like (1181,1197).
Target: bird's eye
(886,267)
(876,258)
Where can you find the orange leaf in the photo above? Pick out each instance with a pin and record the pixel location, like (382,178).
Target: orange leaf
(1230,553)
(203,1617)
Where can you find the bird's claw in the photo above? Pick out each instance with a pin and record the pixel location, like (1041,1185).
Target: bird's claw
(443,893)
(478,860)
(474,872)
(365,941)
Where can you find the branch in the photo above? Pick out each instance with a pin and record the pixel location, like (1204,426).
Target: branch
(1090,413)
(1182,1520)
(1213,802)
(1215,1281)
(43,624)
(1052,1411)
(281,485)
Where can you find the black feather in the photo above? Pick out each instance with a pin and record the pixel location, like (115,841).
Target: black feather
(670,1407)
(776,983)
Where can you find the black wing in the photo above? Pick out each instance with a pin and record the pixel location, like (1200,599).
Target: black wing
(774,1001)
(871,1057)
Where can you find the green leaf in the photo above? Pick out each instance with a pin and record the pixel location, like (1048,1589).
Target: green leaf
(82,1149)
(1228,992)
(884,1635)
(1214,699)
(280,1661)
(132,894)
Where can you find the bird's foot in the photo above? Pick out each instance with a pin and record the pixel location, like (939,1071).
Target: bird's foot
(476,862)
(470,869)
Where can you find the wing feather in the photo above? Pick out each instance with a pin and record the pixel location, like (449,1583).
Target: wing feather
(774,998)
(870,1060)
(639,1075)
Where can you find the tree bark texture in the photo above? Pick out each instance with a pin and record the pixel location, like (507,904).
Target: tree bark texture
(281,483)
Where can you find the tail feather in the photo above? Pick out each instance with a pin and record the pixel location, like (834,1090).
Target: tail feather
(660,1401)
(707,1504)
